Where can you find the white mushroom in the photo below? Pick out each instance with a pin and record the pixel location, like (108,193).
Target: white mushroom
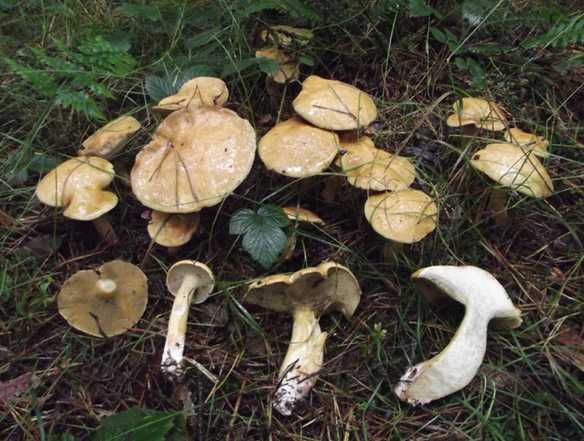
(452,369)
(190,282)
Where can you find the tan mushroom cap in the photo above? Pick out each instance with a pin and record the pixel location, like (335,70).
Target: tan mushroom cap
(284,35)
(334,105)
(302,215)
(116,294)
(297,149)
(186,271)
(528,141)
(200,91)
(111,137)
(479,112)
(78,184)
(327,287)
(197,157)
(287,71)
(515,168)
(404,216)
(370,168)
(173,229)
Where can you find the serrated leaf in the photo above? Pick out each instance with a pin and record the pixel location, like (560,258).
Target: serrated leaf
(203,38)
(419,8)
(41,163)
(200,70)
(238,66)
(274,216)
(159,88)
(461,63)
(268,65)
(240,221)
(135,424)
(438,34)
(146,11)
(264,243)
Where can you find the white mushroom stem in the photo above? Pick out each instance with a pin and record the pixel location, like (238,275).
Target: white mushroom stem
(177,327)
(455,367)
(302,362)
(105,229)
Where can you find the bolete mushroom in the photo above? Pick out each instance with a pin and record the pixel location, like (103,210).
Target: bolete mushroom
(528,141)
(306,294)
(334,105)
(485,301)
(478,114)
(197,157)
(173,230)
(79,184)
(111,137)
(190,282)
(105,302)
(200,91)
(288,69)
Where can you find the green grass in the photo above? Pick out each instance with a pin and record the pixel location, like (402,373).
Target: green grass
(528,386)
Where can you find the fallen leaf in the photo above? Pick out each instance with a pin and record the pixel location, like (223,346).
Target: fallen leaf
(15,386)
(569,345)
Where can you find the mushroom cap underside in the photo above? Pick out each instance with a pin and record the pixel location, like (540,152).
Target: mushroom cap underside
(327,287)
(193,269)
(199,91)
(111,137)
(197,157)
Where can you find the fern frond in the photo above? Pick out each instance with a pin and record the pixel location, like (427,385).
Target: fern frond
(561,35)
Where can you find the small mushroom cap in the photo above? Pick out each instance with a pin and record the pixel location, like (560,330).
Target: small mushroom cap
(481,113)
(528,141)
(78,184)
(111,137)
(197,157)
(302,215)
(189,268)
(173,229)
(284,35)
(514,167)
(200,91)
(325,288)
(439,285)
(334,105)
(287,71)
(370,168)
(116,294)
(404,216)
(298,149)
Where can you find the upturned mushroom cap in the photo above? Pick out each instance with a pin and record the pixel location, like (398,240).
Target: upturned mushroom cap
(197,157)
(334,105)
(111,137)
(327,287)
(302,215)
(528,141)
(515,168)
(192,269)
(287,71)
(298,149)
(479,112)
(404,216)
(452,369)
(116,295)
(78,184)
(173,229)
(370,168)
(200,91)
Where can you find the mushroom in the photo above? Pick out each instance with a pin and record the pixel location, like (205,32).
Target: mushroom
(370,168)
(475,114)
(190,282)
(284,35)
(173,229)
(528,141)
(485,301)
(197,157)
(404,216)
(302,218)
(287,71)
(334,105)
(105,302)
(200,91)
(298,149)
(111,137)
(78,185)
(306,294)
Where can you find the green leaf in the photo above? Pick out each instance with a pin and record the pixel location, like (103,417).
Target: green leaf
(41,163)
(140,10)
(306,61)
(159,88)
(273,216)
(200,70)
(238,66)
(419,8)
(438,35)
(203,38)
(136,424)
(268,65)
(241,220)
(461,63)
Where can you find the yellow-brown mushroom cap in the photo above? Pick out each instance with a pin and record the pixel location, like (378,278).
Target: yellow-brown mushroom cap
(514,167)
(370,168)
(528,141)
(197,157)
(479,112)
(334,105)
(78,184)
(302,215)
(297,149)
(116,295)
(404,216)
(327,287)
(173,229)
(288,69)
(200,91)
(111,137)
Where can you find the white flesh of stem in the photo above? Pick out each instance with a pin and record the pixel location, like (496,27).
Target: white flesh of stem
(177,327)
(302,362)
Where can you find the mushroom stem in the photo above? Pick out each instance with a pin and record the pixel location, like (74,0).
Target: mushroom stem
(302,362)
(105,229)
(177,327)
(391,251)
(498,205)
